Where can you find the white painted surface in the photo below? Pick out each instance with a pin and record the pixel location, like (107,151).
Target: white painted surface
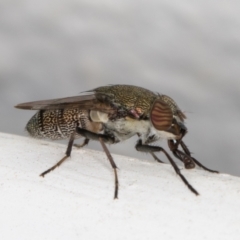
(76,200)
(188,50)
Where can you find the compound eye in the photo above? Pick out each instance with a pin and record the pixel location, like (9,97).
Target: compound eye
(161,115)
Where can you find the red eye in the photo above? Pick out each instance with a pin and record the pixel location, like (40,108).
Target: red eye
(161,115)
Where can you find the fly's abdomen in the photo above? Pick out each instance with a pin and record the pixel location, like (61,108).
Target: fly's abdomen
(57,124)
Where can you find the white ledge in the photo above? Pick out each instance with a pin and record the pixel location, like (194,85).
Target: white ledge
(76,200)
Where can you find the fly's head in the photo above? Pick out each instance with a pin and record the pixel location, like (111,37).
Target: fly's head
(167,117)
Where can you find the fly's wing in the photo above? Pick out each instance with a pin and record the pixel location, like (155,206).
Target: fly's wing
(87,102)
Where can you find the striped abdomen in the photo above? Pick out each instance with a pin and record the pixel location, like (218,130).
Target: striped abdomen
(60,124)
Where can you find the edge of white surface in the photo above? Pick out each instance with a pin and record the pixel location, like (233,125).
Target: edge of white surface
(76,200)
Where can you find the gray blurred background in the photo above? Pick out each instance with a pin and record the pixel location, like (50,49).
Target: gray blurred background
(189,50)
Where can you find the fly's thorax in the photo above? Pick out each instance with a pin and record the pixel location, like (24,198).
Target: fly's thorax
(134,100)
(60,124)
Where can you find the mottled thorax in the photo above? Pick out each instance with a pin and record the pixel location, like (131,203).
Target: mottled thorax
(134,100)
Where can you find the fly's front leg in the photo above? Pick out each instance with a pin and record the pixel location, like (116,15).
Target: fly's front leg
(102,138)
(151,149)
(68,153)
(185,156)
(184,147)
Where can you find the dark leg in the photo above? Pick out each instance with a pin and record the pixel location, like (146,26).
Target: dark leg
(102,138)
(184,147)
(114,166)
(185,156)
(151,149)
(156,158)
(68,153)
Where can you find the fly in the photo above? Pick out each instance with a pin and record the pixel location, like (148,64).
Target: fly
(111,114)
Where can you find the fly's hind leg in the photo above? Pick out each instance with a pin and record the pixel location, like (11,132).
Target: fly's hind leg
(102,138)
(68,153)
